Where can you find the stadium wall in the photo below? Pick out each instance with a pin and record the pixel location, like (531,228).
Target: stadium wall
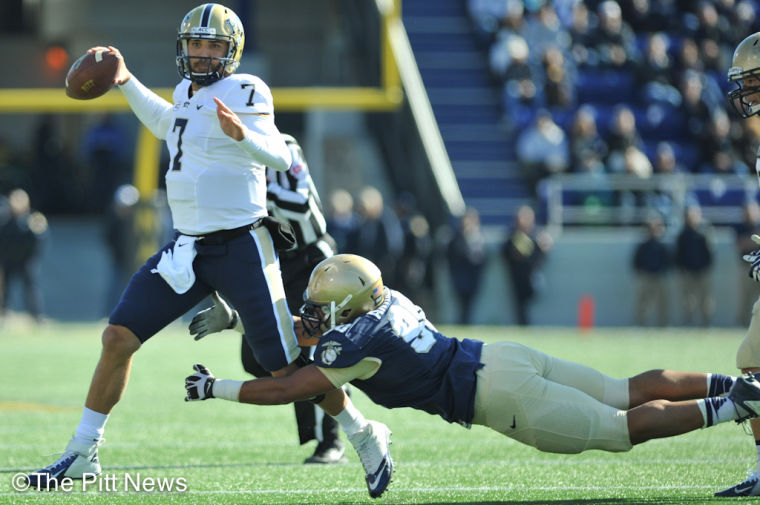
(75,275)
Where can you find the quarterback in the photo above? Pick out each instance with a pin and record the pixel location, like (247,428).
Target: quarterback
(745,73)
(382,343)
(221,136)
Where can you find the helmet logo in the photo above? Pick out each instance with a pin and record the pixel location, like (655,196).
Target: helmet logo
(330,352)
(202,30)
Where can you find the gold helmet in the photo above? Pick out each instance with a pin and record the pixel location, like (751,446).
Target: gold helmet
(746,66)
(341,288)
(210,22)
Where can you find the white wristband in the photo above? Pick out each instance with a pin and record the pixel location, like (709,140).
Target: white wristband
(227,389)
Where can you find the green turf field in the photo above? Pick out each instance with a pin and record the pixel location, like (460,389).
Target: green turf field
(227,453)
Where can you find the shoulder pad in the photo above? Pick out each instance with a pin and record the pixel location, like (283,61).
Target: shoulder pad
(245,94)
(180,91)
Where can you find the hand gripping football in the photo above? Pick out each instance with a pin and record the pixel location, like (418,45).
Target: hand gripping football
(91,75)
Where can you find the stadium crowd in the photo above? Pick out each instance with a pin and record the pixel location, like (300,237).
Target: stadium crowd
(627,86)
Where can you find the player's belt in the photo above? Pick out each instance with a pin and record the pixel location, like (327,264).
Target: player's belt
(224,236)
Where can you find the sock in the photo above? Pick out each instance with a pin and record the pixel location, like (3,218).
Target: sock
(717,410)
(757,448)
(91,427)
(351,420)
(718,384)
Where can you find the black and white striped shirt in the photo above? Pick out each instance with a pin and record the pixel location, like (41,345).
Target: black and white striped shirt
(292,198)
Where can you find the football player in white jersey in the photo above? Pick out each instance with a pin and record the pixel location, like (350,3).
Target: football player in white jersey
(382,343)
(221,136)
(291,198)
(745,99)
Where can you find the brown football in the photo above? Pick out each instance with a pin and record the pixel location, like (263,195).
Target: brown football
(91,75)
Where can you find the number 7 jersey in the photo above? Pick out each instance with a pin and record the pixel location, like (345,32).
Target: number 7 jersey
(212,183)
(419,367)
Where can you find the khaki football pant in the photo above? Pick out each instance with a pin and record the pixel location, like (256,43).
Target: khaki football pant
(548,403)
(748,355)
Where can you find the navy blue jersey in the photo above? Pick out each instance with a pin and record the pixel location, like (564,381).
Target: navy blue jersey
(420,367)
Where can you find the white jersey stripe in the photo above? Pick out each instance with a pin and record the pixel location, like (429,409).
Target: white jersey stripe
(273,277)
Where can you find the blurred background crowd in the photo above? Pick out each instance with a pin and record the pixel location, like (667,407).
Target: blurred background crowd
(593,88)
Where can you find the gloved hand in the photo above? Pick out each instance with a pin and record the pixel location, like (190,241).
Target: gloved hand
(214,319)
(199,386)
(754,259)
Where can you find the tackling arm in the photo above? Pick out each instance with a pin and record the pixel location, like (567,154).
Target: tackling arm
(303,384)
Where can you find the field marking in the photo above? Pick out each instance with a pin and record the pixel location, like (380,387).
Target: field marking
(352,491)
(490,463)
(7,406)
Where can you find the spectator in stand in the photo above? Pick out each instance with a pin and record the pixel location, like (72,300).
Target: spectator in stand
(467,255)
(414,272)
(651,262)
(614,40)
(520,89)
(665,161)
(544,30)
(713,33)
(542,149)
(558,79)
(587,147)
(342,222)
(749,291)
(653,75)
(513,23)
(694,259)
(378,236)
(687,59)
(742,18)
(648,16)
(624,143)
(487,16)
(581,36)
(693,107)
(21,239)
(524,251)
(717,148)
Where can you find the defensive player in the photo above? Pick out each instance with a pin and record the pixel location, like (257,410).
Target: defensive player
(292,198)
(221,135)
(382,343)
(745,72)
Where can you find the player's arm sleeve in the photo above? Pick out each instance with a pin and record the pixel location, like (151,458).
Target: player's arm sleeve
(152,110)
(364,369)
(264,142)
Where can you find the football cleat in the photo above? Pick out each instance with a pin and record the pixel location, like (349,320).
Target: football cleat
(745,394)
(749,487)
(78,459)
(327,453)
(372,444)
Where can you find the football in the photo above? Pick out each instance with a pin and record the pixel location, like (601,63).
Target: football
(91,75)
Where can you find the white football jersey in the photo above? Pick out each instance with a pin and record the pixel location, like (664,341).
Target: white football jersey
(212,183)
